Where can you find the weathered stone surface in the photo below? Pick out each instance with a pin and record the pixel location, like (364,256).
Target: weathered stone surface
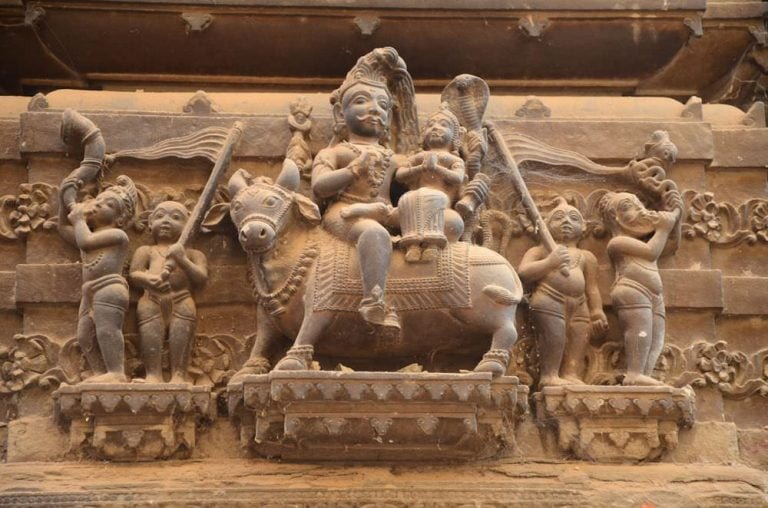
(740,148)
(707,442)
(35,438)
(501,483)
(7,290)
(753,447)
(48,283)
(693,288)
(745,295)
(9,139)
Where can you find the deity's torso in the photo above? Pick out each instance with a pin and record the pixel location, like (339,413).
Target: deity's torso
(432,179)
(104,261)
(370,186)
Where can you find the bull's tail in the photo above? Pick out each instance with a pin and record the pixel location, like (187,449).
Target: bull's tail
(500,295)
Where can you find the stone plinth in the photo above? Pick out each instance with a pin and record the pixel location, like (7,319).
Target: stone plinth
(616,423)
(131,422)
(377,415)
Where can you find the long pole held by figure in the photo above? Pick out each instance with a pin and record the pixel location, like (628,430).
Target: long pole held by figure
(221,166)
(525,196)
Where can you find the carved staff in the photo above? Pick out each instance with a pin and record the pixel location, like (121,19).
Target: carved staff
(525,196)
(192,227)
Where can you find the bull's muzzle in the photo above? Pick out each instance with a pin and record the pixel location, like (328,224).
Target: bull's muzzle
(256,236)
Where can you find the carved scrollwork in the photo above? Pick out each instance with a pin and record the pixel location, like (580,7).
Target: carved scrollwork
(25,362)
(215,359)
(702,364)
(26,212)
(724,223)
(736,374)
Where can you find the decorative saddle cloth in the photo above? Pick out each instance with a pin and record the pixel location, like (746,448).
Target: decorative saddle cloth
(441,284)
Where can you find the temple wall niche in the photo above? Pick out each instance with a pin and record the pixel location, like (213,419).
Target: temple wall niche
(716,285)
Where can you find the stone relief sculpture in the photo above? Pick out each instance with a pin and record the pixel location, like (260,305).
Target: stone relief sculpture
(435,175)
(567,309)
(167,306)
(467,294)
(637,290)
(342,274)
(96,227)
(300,125)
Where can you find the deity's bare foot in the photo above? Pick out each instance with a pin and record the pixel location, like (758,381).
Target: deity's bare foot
(429,254)
(640,380)
(572,379)
(179,379)
(151,378)
(109,377)
(413,254)
(494,361)
(297,358)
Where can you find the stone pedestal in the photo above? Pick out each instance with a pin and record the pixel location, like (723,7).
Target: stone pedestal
(615,423)
(321,415)
(133,422)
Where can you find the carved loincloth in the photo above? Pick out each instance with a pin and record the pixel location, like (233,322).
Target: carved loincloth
(411,286)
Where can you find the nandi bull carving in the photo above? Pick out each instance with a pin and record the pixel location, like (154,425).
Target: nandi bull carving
(309,287)
(335,283)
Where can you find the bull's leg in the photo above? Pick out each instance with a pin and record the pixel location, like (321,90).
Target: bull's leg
(299,357)
(496,360)
(266,336)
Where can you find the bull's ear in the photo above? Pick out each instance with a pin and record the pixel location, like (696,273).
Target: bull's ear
(240,180)
(307,208)
(289,177)
(217,219)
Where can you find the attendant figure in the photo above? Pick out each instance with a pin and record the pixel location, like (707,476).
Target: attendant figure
(639,237)
(96,227)
(436,175)
(566,309)
(167,308)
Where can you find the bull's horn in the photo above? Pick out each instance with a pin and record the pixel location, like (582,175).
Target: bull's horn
(289,177)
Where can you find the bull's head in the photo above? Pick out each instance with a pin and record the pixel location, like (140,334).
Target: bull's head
(260,209)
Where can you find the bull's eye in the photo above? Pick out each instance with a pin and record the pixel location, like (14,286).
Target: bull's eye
(269,201)
(237,206)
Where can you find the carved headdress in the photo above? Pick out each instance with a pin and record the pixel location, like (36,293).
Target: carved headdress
(125,191)
(458,130)
(384,68)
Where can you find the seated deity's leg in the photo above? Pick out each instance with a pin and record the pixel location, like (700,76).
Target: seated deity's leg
(374,251)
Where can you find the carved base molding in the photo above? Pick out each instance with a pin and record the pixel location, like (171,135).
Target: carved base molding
(133,422)
(616,423)
(322,415)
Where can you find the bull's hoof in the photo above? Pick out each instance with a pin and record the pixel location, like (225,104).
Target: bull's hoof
(253,366)
(494,361)
(297,358)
